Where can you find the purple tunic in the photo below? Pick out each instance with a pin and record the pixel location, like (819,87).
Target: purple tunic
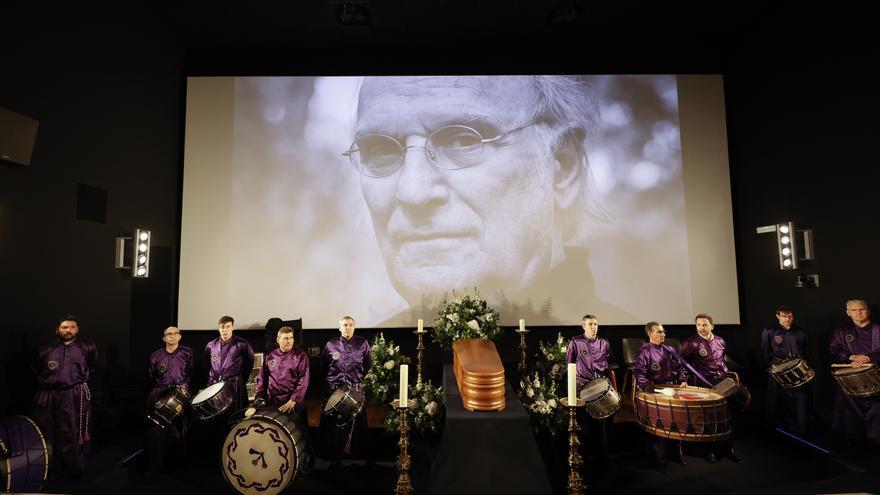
(346,360)
(167,370)
(63,405)
(856,417)
(789,407)
(591,357)
(655,365)
(707,357)
(283,377)
(230,362)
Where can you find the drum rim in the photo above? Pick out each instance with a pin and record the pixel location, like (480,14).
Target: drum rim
(854,371)
(681,402)
(295,470)
(221,384)
(797,361)
(46,450)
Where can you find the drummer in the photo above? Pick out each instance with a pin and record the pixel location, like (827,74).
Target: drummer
(170,366)
(230,359)
(346,359)
(856,344)
(705,352)
(789,407)
(591,353)
(63,405)
(284,377)
(655,364)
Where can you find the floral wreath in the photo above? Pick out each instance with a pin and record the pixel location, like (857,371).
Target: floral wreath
(466,316)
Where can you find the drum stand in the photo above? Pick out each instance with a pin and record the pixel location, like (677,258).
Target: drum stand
(404,484)
(421,349)
(522,350)
(576,484)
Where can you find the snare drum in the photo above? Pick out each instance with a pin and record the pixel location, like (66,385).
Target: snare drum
(24,455)
(600,398)
(863,381)
(169,407)
(344,404)
(266,452)
(736,393)
(792,372)
(693,414)
(212,401)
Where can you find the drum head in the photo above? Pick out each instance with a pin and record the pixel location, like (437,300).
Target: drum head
(334,399)
(258,457)
(785,365)
(595,389)
(854,371)
(208,392)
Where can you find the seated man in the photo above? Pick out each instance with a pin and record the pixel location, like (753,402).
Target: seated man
(789,407)
(705,352)
(590,353)
(856,344)
(170,366)
(656,364)
(284,377)
(346,360)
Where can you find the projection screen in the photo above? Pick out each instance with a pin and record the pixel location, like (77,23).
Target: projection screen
(553,196)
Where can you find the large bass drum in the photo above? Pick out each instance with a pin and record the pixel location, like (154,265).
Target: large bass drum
(266,452)
(693,414)
(24,455)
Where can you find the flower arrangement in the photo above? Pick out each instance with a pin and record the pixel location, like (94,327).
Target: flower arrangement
(466,316)
(538,396)
(426,411)
(550,359)
(381,382)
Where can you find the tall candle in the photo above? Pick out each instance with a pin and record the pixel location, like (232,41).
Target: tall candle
(522,325)
(404,382)
(572,384)
(421,324)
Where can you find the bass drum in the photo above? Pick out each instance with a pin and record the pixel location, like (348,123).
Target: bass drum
(266,452)
(24,455)
(692,414)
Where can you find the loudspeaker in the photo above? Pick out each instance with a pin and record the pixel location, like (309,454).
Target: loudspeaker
(17,137)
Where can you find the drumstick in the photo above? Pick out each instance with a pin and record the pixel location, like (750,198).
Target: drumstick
(836,365)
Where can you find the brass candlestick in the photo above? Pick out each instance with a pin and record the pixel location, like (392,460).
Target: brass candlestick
(421,349)
(576,485)
(404,484)
(522,350)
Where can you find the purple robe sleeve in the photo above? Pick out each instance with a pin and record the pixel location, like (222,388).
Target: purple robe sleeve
(301,372)
(260,391)
(571,352)
(838,348)
(640,369)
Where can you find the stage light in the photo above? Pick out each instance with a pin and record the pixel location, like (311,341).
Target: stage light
(792,244)
(786,251)
(133,252)
(784,239)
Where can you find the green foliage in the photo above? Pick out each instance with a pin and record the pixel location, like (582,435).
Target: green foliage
(466,316)
(382,383)
(426,412)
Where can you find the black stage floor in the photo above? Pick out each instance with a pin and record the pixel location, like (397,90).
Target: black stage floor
(772,463)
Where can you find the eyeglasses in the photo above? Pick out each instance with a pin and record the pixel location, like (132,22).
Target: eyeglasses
(171,333)
(451,147)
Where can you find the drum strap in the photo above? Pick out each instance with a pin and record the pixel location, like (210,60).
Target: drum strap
(687,365)
(347,448)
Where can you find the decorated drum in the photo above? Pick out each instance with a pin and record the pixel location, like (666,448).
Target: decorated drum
(692,414)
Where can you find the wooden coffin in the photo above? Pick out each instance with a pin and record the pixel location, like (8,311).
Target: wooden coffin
(479,374)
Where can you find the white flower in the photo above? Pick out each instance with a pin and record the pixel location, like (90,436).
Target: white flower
(555,370)
(473,325)
(389,365)
(537,381)
(552,403)
(453,317)
(530,392)
(432,408)
(390,352)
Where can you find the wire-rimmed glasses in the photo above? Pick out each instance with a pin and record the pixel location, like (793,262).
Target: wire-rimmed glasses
(450,147)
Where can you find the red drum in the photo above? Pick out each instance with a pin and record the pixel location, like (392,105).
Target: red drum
(266,452)
(24,455)
(692,414)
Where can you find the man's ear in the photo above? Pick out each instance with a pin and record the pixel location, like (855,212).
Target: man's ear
(570,166)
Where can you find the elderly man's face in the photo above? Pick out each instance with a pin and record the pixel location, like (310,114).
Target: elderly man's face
(489,225)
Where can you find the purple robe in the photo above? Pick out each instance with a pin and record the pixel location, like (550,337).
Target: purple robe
(591,357)
(789,407)
(167,370)
(707,357)
(654,364)
(63,405)
(231,362)
(345,360)
(284,376)
(856,417)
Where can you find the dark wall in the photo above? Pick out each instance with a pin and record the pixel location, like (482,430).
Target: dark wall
(109,97)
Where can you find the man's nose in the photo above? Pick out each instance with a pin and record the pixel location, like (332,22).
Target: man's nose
(420,182)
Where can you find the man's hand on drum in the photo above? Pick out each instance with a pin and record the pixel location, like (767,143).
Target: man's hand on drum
(287,406)
(684,384)
(859,360)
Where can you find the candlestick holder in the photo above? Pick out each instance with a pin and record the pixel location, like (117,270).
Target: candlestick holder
(421,349)
(576,485)
(404,484)
(522,350)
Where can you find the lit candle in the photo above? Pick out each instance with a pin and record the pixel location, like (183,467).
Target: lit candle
(572,384)
(404,379)
(421,325)
(522,325)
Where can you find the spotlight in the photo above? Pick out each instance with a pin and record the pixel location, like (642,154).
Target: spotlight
(134,253)
(785,243)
